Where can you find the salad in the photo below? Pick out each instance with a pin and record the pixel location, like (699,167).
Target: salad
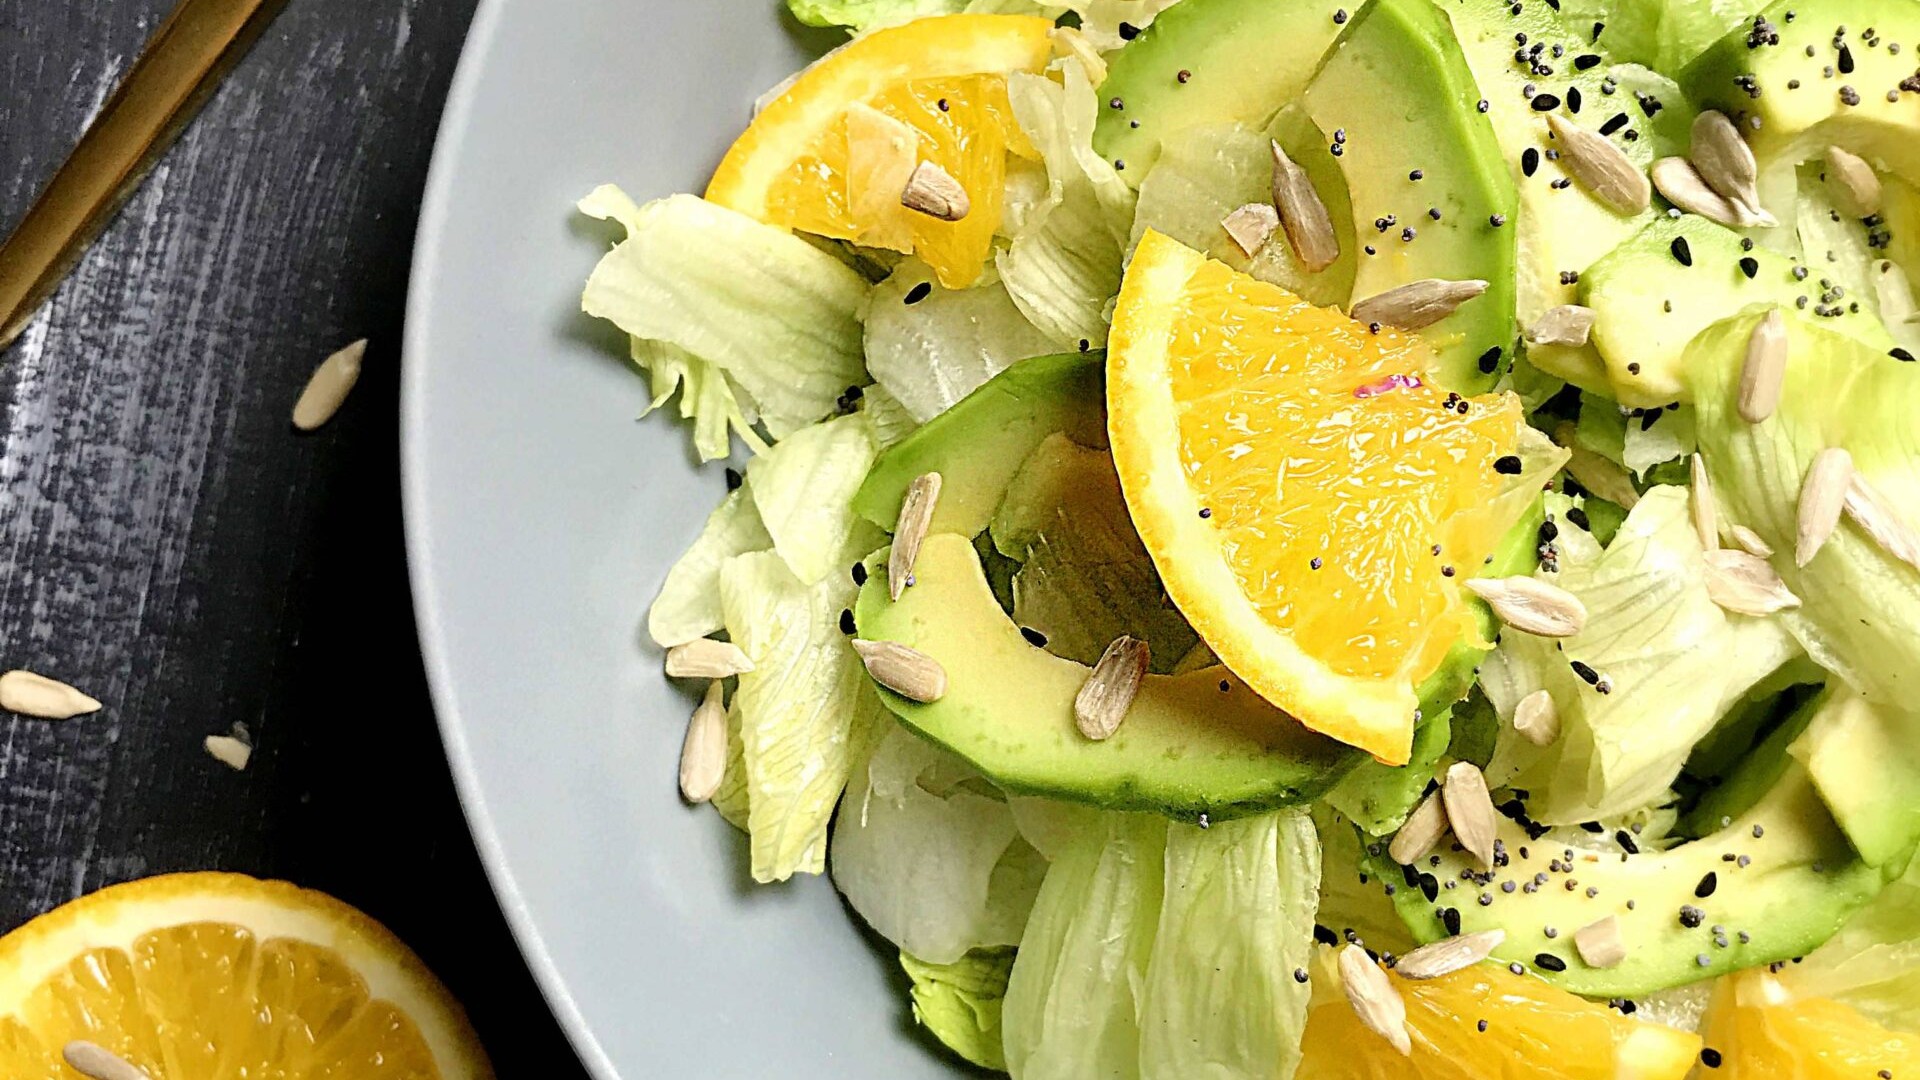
(1281,539)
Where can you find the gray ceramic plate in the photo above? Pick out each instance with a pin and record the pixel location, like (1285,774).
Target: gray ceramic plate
(541,518)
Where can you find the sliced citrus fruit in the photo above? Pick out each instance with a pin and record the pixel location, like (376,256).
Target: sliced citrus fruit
(1311,499)
(1757,1029)
(224,977)
(1486,1023)
(831,154)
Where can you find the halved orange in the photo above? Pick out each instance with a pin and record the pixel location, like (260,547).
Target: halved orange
(938,85)
(1756,1029)
(1486,1023)
(1311,499)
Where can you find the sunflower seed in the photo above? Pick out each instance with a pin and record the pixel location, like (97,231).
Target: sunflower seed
(1373,998)
(1706,515)
(1532,605)
(933,191)
(916,517)
(96,1062)
(1449,955)
(1068,41)
(705,658)
(1855,186)
(33,695)
(1470,810)
(1601,167)
(703,756)
(1765,370)
(1724,160)
(1877,517)
(1420,832)
(1568,324)
(1599,943)
(1251,225)
(1750,541)
(1537,719)
(1108,693)
(328,387)
(908,672)
(232,752)
(1304,216)
(1823,495)
(1676,178)
(1417,304)
(1746,584)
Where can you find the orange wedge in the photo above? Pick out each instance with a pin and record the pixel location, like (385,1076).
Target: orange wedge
(831,154)
(1756,1030)
(1311,499)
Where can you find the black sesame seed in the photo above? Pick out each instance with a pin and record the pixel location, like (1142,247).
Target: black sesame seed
(1707,885)
(1573,99)
(1615,123)
(1546,961)
(1845,63)
(1625,840)
(919,292)
(1324,936)
(1128,31)
(1545,102)
(1507,465)
(1709,1057)
(1034,637)
(1900,354)
(1749,266)
(1585,61)
(734,479)
(859,573)
(1489,362)
(1586,673)
(1682,251)
(846,621)
(1450,918)
(1578,516)
(1529,161)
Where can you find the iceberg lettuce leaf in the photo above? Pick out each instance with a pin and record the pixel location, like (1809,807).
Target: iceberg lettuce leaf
(930,352)
(688,606)
(961,1002)
(1873,962)
(732,799)
(803,488)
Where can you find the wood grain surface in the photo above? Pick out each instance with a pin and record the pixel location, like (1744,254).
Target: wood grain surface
(170,545)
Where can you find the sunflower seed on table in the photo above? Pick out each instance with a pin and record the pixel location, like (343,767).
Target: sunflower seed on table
(1750,541)
(703,755)
(327,389)
(1599,943)
(1724,160)
(1568,324)
(1470,810)
(1765,370)
(1302,214)
(1880,520)
(1706,515)
(1250,226)
(1746,584)
(1448,955)
(235,753)
(1601,167)
(1534,606)
(705,658)
(1856,188)
(1374,1000)
(1420,832)
(37,696)
(1537,718)
(933,191)
(96,1062)
(908,672)
(1676,178)
(1108,693)
(910,530)
(1823,496)
(1417,304)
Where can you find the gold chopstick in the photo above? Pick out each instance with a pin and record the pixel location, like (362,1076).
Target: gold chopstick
(182,64)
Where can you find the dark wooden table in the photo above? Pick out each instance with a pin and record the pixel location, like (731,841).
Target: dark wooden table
(167,542)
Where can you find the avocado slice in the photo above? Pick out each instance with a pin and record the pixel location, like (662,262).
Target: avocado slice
(1753,775)
(1207,62)
(1377,798)
(1194,746)
(1861,758)
(1393,98)
(980,443)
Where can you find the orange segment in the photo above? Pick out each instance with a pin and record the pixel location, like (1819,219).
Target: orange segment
(1759,1032)
(1533,1032)
(1311,499)
(792,166)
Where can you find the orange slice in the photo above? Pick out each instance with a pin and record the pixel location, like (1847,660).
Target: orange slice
(1532,1031)
(1310,498)
(831,154)
(1756,1030)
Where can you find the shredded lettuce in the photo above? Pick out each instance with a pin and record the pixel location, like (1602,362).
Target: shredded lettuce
(864,15)
(1101,20)
(688,606)
(1674,661)
(803,489)
(808,711)
(890,419)
(731,799)
(779,316)
(961,1002)
(1351,897)
(939,348)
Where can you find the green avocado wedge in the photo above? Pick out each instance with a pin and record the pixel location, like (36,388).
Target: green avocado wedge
(1200,745)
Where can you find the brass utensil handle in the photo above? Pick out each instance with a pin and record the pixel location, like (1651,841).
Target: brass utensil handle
(182,64)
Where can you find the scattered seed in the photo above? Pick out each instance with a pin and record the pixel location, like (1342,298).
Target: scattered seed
(1374,1000)
(1108,693)
(1417,304)
(96,1062)
(1251,225)
(1879,519)
(1568,324)
(1750,541)
(1601,167)
(1706,515)
(705,658)
(703,755)
(1449,955)
(1599,943)
(1746,584)
(1765,370)
(1855,186)
(328,388)
(1724,160)
(910,530)
(1470,810)
(1303,215)
(1823,495)
(33,695)
(229,750)
(1537,719)
(933,191)
(1532,605)
(908,672)
(1420,832)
